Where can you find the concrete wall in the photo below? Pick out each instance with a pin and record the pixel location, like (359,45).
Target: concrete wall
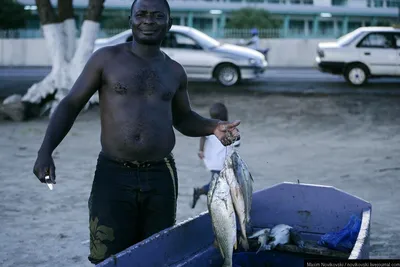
(289,52)
(283,52)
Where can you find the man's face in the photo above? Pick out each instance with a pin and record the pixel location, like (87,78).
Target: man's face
(149,21)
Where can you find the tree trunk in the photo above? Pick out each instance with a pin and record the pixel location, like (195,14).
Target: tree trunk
(68,56)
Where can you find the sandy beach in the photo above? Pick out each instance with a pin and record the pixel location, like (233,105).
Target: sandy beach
(350,142)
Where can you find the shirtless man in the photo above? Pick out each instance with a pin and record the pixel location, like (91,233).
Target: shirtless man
(143,95)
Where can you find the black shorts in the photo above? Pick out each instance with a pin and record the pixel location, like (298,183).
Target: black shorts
(129,202)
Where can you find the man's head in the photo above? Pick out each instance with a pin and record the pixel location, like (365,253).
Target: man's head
(150,20)
(219,111)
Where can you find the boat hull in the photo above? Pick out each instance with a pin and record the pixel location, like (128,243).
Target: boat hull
(312,209)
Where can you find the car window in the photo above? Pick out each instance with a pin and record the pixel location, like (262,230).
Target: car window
(178,40)
(397,39)
(377,40)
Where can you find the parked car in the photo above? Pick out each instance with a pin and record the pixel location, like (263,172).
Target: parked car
(367,52)
(202,56)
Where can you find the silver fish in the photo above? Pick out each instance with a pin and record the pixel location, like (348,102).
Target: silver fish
(262,236)
(245,181)
(223,217)
(280,234)
(238,202)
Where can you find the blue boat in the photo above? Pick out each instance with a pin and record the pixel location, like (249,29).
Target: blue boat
(313,210)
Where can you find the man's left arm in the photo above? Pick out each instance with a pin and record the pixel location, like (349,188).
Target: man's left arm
(185,120)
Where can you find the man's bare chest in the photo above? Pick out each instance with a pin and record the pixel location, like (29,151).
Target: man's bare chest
(150,82)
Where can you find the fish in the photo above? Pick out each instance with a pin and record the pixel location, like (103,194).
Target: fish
(223,218)
(280,234)
(245,181)
(238,201)
(262,236)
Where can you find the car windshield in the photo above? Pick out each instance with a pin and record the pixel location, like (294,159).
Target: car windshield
(348,38)
(204,39)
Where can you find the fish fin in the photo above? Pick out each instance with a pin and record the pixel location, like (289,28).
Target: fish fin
(244,243)
(215,243)
(249,227)
(264,231)
(251,177)
(262,248)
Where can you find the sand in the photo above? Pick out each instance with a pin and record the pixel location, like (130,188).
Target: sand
(352,143)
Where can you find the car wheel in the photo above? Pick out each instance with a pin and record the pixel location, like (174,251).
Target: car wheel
(356,74)
(227,74)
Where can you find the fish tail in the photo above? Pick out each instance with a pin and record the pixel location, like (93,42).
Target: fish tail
(260,249)
(215,243)
(221,250)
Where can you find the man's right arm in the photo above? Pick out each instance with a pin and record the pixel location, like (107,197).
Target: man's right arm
(61,121)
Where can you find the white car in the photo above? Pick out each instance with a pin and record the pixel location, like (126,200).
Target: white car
(202,56)
(367,52)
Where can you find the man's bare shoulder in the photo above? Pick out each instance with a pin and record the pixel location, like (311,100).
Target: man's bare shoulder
(177,68)
(102,55)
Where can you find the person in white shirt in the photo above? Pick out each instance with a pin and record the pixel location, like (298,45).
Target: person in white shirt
(212,152)
(254,42)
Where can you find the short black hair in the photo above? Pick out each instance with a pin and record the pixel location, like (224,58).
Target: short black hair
(165,1)
(219,111)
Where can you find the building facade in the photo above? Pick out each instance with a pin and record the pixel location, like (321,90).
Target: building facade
(299,18)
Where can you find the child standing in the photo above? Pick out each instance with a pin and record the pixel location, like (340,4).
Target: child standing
(212,152)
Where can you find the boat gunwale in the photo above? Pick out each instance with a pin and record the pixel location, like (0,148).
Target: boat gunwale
(363,236)
(153,238)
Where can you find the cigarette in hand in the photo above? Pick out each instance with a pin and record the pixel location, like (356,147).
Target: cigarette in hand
(49,184)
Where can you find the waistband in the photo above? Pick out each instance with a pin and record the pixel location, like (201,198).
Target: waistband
(138,163)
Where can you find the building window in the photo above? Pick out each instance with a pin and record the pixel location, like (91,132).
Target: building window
(375,3)
(296,26)
(326,27)
(176,20)
(202,23)
(384,23)
(339,2)
(302,2)
(353,25)
(392,3)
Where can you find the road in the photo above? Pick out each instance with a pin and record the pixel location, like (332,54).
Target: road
(275,80)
